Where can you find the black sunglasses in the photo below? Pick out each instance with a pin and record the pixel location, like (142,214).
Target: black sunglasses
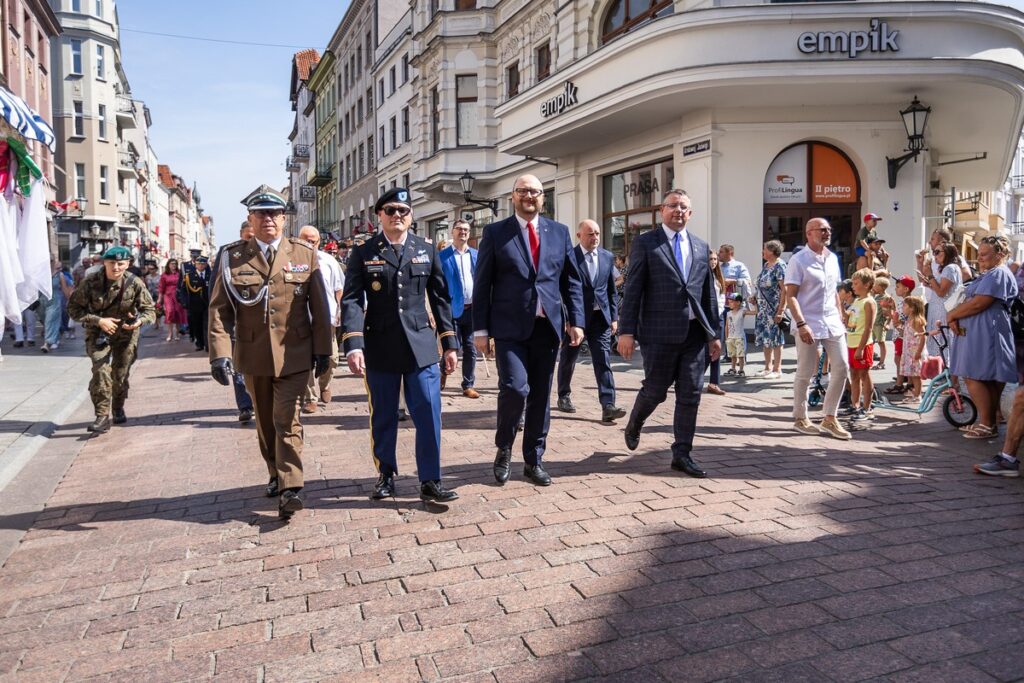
(402,211)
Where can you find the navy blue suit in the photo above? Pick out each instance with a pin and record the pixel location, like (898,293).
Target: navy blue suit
(505,296)
(600,311)
(384,315)
(462,310)
(674,321)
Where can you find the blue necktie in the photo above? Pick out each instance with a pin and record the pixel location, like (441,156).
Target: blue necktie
(679,256)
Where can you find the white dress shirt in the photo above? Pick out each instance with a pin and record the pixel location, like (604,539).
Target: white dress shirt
(334,282)
(464,262)
(816,277)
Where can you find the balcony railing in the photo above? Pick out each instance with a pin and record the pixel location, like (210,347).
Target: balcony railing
(129,217)
(126,112)
(1017,184)
(300,151)
(320,176)
(291,164)
(1016,228)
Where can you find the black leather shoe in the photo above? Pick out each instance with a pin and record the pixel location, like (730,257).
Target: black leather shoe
(633,435)
(684,463)
(271,489)
(119,417)
(244,416)
(101,425)
(612,413)
(565,404)
(537,475)
(502,465)
(291,502)
(435,491)
(403,415)
(384,488)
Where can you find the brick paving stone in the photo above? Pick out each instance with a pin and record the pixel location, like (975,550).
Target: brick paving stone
(793,561)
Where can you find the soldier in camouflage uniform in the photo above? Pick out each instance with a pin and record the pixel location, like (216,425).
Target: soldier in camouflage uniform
(112,304)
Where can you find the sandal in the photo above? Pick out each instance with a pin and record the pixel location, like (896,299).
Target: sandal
(896,389)
(981,431)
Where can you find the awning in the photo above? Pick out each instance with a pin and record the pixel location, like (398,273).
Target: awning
(24,120)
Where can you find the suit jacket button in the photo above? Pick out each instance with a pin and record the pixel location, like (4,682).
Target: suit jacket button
(273,326)
(271,296)
(272,311)
(399,285)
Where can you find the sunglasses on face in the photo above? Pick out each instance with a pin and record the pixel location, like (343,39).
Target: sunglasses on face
(402,211)
(937,251)
(528,192)
(270,213)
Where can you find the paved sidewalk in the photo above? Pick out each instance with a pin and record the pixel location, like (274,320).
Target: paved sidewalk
(801,558)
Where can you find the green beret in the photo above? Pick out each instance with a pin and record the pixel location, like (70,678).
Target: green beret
(117,254)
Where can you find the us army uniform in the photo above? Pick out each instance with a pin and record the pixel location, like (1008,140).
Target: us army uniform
(398,342)
(112,355)
(280,317)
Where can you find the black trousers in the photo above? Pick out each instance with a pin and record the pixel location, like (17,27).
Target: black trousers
(599,339)
(681,365)
(525,371)
(464,331)
(197,324)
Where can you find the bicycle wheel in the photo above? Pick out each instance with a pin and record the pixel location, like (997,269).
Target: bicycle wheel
(967,414)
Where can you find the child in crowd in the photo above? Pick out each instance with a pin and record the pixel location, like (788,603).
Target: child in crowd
(735,341)
(859,324)
(904,286)
(914,337)
(884,309)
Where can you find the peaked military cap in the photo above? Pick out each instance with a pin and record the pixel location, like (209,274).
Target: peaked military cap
(396,195)
(264,198)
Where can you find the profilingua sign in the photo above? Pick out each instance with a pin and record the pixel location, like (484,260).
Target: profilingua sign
(878,38)
(569,97)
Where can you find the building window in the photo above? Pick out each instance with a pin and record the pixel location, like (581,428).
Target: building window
(435,7)
(405,68)
(435,120)
(369,99)
(392,80)
(79,120)
(79,181)
(99,8)
(104,196)
(101,63)
(341,173)
(394,132)
(359,109)
(543,62)
(405,180)
(631,202)
(359,58)
(512,80)
(383,189)
(76,56)
(352,68)
(362,159)
(380,92)
(462,5)
(76,5)
(625,15)
(370,159)
(346,74)
(381,139)
(102,118)
(369,43)
(348,124)
(405,124)
(466,110)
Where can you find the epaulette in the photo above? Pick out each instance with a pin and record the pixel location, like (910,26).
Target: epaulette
(296,240)
(232,244)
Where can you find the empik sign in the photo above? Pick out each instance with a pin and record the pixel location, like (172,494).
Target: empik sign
(878,39)
(569,97)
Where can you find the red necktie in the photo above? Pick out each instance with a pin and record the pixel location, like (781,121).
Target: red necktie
(534,245)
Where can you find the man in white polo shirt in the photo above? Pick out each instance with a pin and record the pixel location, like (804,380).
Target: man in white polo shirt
(334,283)
(811,280)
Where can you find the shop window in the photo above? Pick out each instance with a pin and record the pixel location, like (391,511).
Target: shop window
(466,110)
(543,62)
(512,80)
(632,202)
(625,15)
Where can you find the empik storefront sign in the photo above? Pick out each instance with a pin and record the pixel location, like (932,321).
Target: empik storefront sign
(852,43)
(569,97)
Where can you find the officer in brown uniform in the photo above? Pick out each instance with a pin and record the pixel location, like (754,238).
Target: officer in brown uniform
(270,292)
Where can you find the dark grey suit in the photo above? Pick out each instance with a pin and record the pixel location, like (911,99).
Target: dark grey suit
(674,321)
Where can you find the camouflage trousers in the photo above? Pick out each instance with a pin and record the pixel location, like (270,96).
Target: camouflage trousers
(110,368)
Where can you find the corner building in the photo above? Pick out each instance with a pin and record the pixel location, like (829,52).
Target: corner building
(767,114)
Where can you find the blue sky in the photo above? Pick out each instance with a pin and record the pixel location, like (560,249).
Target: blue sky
(221,114)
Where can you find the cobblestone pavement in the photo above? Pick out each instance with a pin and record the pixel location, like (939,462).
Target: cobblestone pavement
(157,558)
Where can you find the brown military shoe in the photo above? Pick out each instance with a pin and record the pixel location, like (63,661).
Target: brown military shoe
(309,407)
(470,392)
(325,396)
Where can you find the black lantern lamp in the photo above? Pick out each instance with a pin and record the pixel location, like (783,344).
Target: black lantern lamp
(467,181)
(915,120)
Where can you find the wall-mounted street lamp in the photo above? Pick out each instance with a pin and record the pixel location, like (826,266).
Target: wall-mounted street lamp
(467,181)
(915,119)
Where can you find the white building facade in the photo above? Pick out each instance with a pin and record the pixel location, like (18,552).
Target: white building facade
(765,113)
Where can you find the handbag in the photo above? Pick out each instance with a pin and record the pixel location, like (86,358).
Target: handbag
(786,323)
(955,298)
(931,367)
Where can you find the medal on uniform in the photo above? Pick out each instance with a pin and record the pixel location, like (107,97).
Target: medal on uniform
(375,286)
